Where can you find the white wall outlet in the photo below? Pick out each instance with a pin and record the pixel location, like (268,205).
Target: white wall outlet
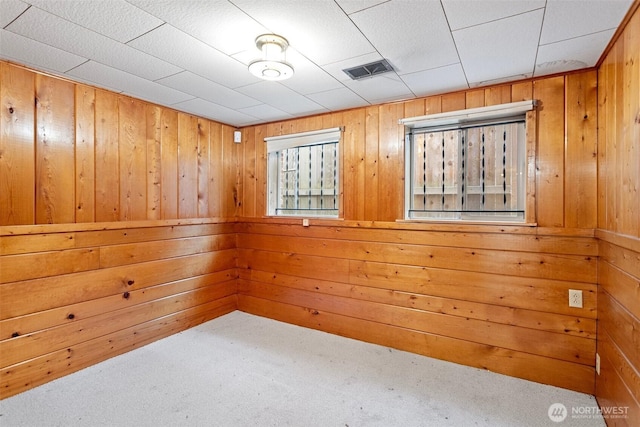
(237,136)
(575,298)
(597,364)
(305,222)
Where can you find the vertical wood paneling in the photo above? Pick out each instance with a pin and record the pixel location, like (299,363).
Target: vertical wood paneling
(187,166)
(17,146)
(232,185)
(521,91)
(249,180)
(474,98)
(204,164)
(618,384)
(85,100)
(154,161)
(354,164)
(550,179)
(371,163)
(630,220)
(107,159)
(453,102)
(497,95)
(581,151)
(261,172)
(433,104)
(169,160)
(391,166)
(55,147)
(133,159)
(216,170)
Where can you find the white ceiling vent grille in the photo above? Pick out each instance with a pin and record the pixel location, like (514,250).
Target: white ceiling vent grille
(369,70)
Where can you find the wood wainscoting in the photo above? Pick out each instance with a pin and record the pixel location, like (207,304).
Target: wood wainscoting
(74,295)
(491,297)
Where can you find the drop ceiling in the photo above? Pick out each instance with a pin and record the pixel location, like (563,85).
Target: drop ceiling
(192,55)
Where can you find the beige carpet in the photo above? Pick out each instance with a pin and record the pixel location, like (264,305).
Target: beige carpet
(243,370)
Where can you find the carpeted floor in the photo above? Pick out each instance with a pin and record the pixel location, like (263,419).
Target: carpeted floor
(243,370)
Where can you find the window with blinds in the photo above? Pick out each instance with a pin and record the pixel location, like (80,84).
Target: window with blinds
(303,174)
(468,166)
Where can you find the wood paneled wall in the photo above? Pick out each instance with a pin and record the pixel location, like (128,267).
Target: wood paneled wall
(372,177)
(618,384)
(494,297)
(71,153)
(73,296)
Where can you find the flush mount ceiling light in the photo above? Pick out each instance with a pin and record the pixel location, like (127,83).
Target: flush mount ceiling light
(273,65)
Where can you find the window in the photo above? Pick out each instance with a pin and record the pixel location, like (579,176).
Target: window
(303,172)
(469,165)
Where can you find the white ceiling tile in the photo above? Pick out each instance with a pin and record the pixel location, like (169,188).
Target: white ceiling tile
(176,47)
(338,99)
(466,13)
(572,54)
(336,68)
(200,87)
(107,77)
(413,37)
(438,80)
(266,113)
(307,76)
(214,111)
(380,88)
(116,19)
(62,34)
(10,10)
(282,98)
(486,52)
(218,23)
(351,6)
(585,17)
(30,52)
(319,30)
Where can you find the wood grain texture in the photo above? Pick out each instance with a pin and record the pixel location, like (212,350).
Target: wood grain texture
(169,161)
(204,167)
(17,146)
(85,100)
(154,161)
(581,151)
(55,151)
(187,166)
(107,157)
(61,310)
(132,155)
(550,159)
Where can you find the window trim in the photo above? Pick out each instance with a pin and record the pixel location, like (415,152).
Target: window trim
(463,118)
(295,140)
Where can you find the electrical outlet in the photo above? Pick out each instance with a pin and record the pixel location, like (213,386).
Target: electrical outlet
(305,222)
(575,298)
(597,364)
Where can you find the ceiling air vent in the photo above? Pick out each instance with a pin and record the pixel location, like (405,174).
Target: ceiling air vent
(369,70)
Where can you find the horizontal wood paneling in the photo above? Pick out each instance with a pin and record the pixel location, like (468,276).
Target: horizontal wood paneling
(80,154)
(62,294)
(535,368)
(618,385)
(509,296)
(40,370)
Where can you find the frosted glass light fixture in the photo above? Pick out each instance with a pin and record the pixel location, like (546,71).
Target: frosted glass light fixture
(273,65)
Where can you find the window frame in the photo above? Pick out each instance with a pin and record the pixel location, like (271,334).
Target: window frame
(275,144)
(464,118)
